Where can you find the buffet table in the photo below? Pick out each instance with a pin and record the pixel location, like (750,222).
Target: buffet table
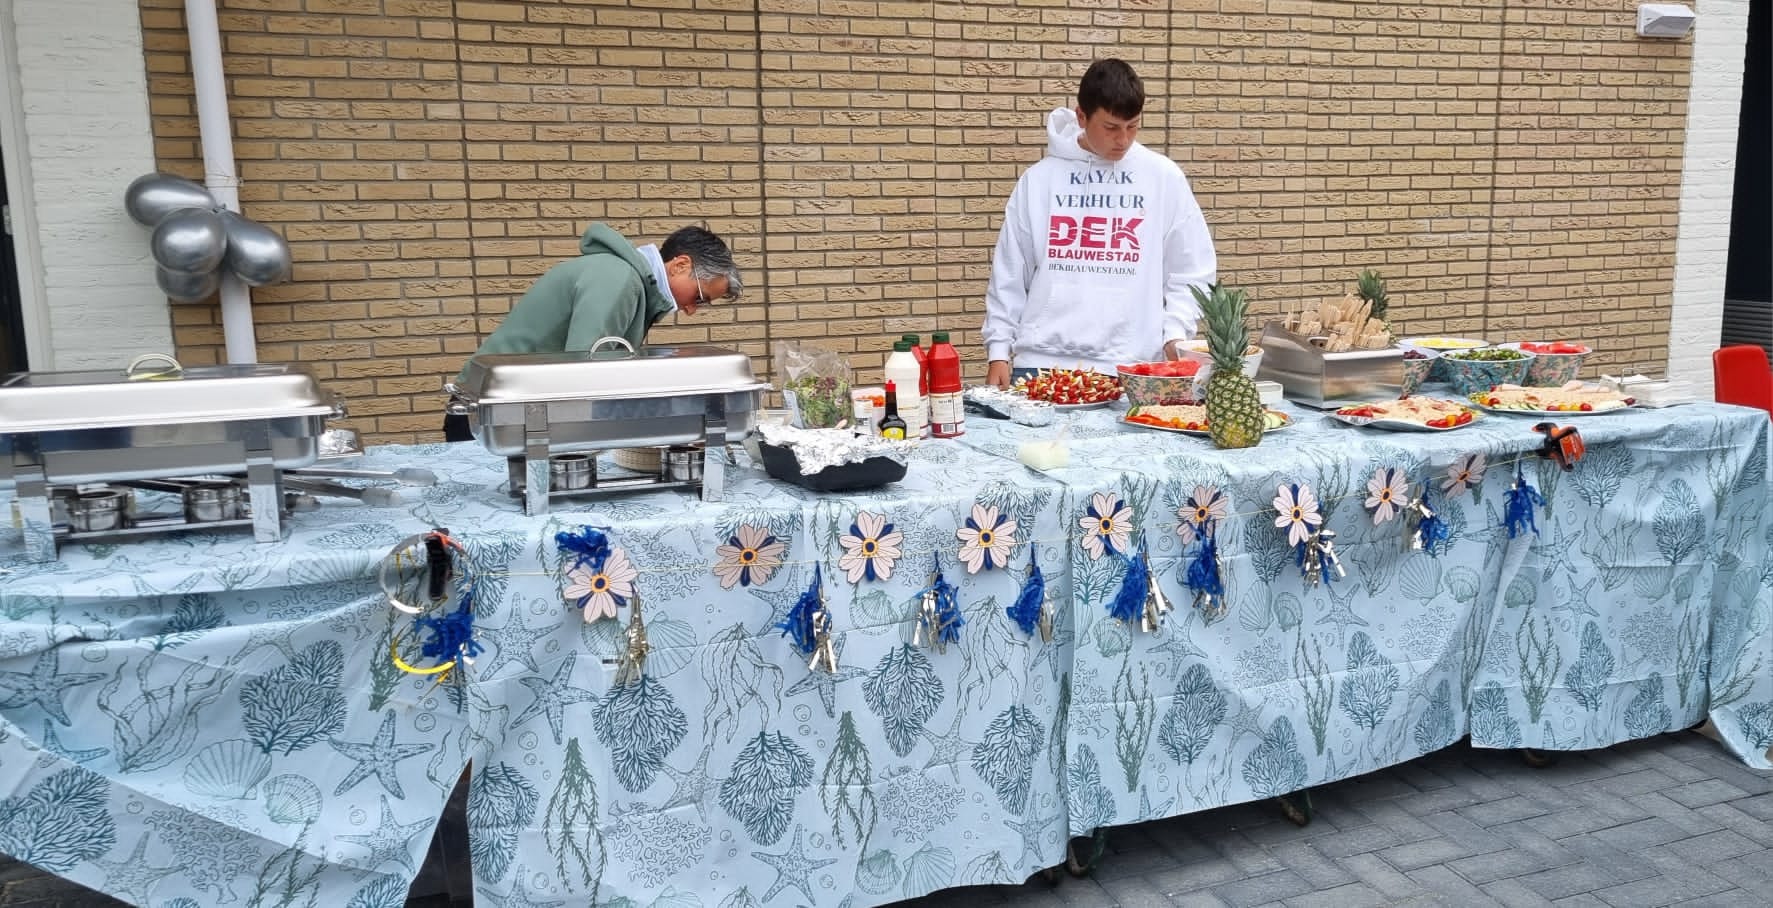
(201,720)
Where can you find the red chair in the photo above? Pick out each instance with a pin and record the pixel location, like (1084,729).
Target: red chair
(1741,376)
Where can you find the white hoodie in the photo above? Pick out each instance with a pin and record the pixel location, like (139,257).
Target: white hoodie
(1095,259)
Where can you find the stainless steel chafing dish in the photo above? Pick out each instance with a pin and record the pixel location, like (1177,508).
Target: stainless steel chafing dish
(1317,378)
(61,429)
(530,408)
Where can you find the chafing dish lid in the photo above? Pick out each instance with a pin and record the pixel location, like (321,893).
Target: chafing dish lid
(57,401)
(652,372)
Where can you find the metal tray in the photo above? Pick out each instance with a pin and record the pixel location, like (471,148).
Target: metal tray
(70,401)
(1319,379)
(606,375)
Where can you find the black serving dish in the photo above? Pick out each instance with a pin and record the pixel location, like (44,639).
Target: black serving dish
(781,463)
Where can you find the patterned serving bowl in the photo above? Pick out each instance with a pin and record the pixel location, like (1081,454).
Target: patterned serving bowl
(1417,371)
(1468,376)
(1145,389)
(1551,370)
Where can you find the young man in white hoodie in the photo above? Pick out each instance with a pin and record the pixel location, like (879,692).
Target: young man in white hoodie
(1101,241)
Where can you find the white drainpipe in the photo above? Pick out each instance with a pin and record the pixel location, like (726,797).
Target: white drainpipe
(218,165)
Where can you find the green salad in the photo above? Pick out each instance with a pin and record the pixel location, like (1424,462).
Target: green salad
(1489,355)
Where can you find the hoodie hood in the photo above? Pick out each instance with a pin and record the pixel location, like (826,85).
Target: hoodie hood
(600,239)
(1063,131)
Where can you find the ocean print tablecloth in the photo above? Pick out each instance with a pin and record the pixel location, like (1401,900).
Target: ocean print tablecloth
(199,720)
(1639,604)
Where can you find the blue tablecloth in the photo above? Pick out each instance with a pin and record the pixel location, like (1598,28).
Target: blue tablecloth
(198,720)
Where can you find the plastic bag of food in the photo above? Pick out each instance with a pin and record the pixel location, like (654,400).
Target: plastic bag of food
(815,385)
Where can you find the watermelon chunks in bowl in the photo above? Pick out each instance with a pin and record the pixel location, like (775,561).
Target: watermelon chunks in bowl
(1159,383)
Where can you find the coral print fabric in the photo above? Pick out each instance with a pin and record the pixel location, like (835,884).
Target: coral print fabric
(201,720)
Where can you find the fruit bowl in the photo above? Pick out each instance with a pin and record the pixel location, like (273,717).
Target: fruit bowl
(1160,383)
(1555,363)
(1470,371)
(1196,351)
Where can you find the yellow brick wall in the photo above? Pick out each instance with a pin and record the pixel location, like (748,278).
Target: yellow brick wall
(1512,166)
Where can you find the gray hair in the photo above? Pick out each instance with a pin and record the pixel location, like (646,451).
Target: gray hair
(709,257)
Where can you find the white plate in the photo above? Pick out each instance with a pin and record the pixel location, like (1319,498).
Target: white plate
(1203,433)
(1551,413)
(1400,425)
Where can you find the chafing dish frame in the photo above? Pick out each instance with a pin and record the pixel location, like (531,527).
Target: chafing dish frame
(529,431)
(39,456)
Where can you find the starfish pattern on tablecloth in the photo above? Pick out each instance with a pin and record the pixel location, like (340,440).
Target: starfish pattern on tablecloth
(553,696)
(793,868)
(42,686)
(378,758)
(132,877)
(510,641)
(691,787)
(388,841)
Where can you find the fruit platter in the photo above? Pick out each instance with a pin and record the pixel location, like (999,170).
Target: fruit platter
(1572,399)
(1412,414)
(1191,419)
(1070,389)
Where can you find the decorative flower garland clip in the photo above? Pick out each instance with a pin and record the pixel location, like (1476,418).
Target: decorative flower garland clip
(808,625)
(1522,499)
(632,666)
(445,637)
(600,578)
(986,539)
(1314,546)
(1205,574)
(871,548)
(1425,530)
(1032,609)
(749,557)
(938,619)
(1157,606)
(1108,526)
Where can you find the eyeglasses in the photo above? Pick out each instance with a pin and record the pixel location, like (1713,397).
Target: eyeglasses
(702,295)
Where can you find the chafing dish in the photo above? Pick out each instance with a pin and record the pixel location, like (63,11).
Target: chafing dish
(533,408)
(1317,378)
(149,423)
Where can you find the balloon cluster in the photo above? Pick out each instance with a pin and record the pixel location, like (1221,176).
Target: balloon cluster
(194,237)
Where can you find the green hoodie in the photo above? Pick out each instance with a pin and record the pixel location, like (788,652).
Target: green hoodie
(608,291)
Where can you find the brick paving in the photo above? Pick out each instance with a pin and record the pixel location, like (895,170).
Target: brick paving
(1668,820)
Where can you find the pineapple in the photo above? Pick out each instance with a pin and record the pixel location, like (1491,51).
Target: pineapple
(1234,409)
(1372,289)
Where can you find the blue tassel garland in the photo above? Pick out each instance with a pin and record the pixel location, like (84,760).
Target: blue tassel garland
(798,626)
(1026,610)
(1522,499)
(1129,603)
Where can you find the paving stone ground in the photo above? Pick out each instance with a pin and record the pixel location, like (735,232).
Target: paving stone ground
(1664,821)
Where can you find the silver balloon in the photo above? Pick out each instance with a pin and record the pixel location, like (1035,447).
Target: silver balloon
(187,288)
(189,241)
(255,252)
(156,195)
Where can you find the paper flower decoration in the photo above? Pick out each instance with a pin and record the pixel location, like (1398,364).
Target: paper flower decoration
(870,548)
(1387,494)
(1107,525)
(1298,512)
(986,539)
(1201,513)
(601,591)
(1465,473)
(749,557)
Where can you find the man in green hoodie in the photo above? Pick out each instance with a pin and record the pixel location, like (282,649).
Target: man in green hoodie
(613,289)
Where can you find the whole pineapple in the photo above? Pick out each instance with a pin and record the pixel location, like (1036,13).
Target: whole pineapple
(1234,409)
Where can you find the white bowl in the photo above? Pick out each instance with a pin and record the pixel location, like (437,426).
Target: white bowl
(1446,344)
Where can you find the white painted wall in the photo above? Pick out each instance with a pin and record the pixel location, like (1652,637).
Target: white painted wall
(76,134)
(1708,178)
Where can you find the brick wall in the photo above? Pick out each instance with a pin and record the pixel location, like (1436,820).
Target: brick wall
(1512,166)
